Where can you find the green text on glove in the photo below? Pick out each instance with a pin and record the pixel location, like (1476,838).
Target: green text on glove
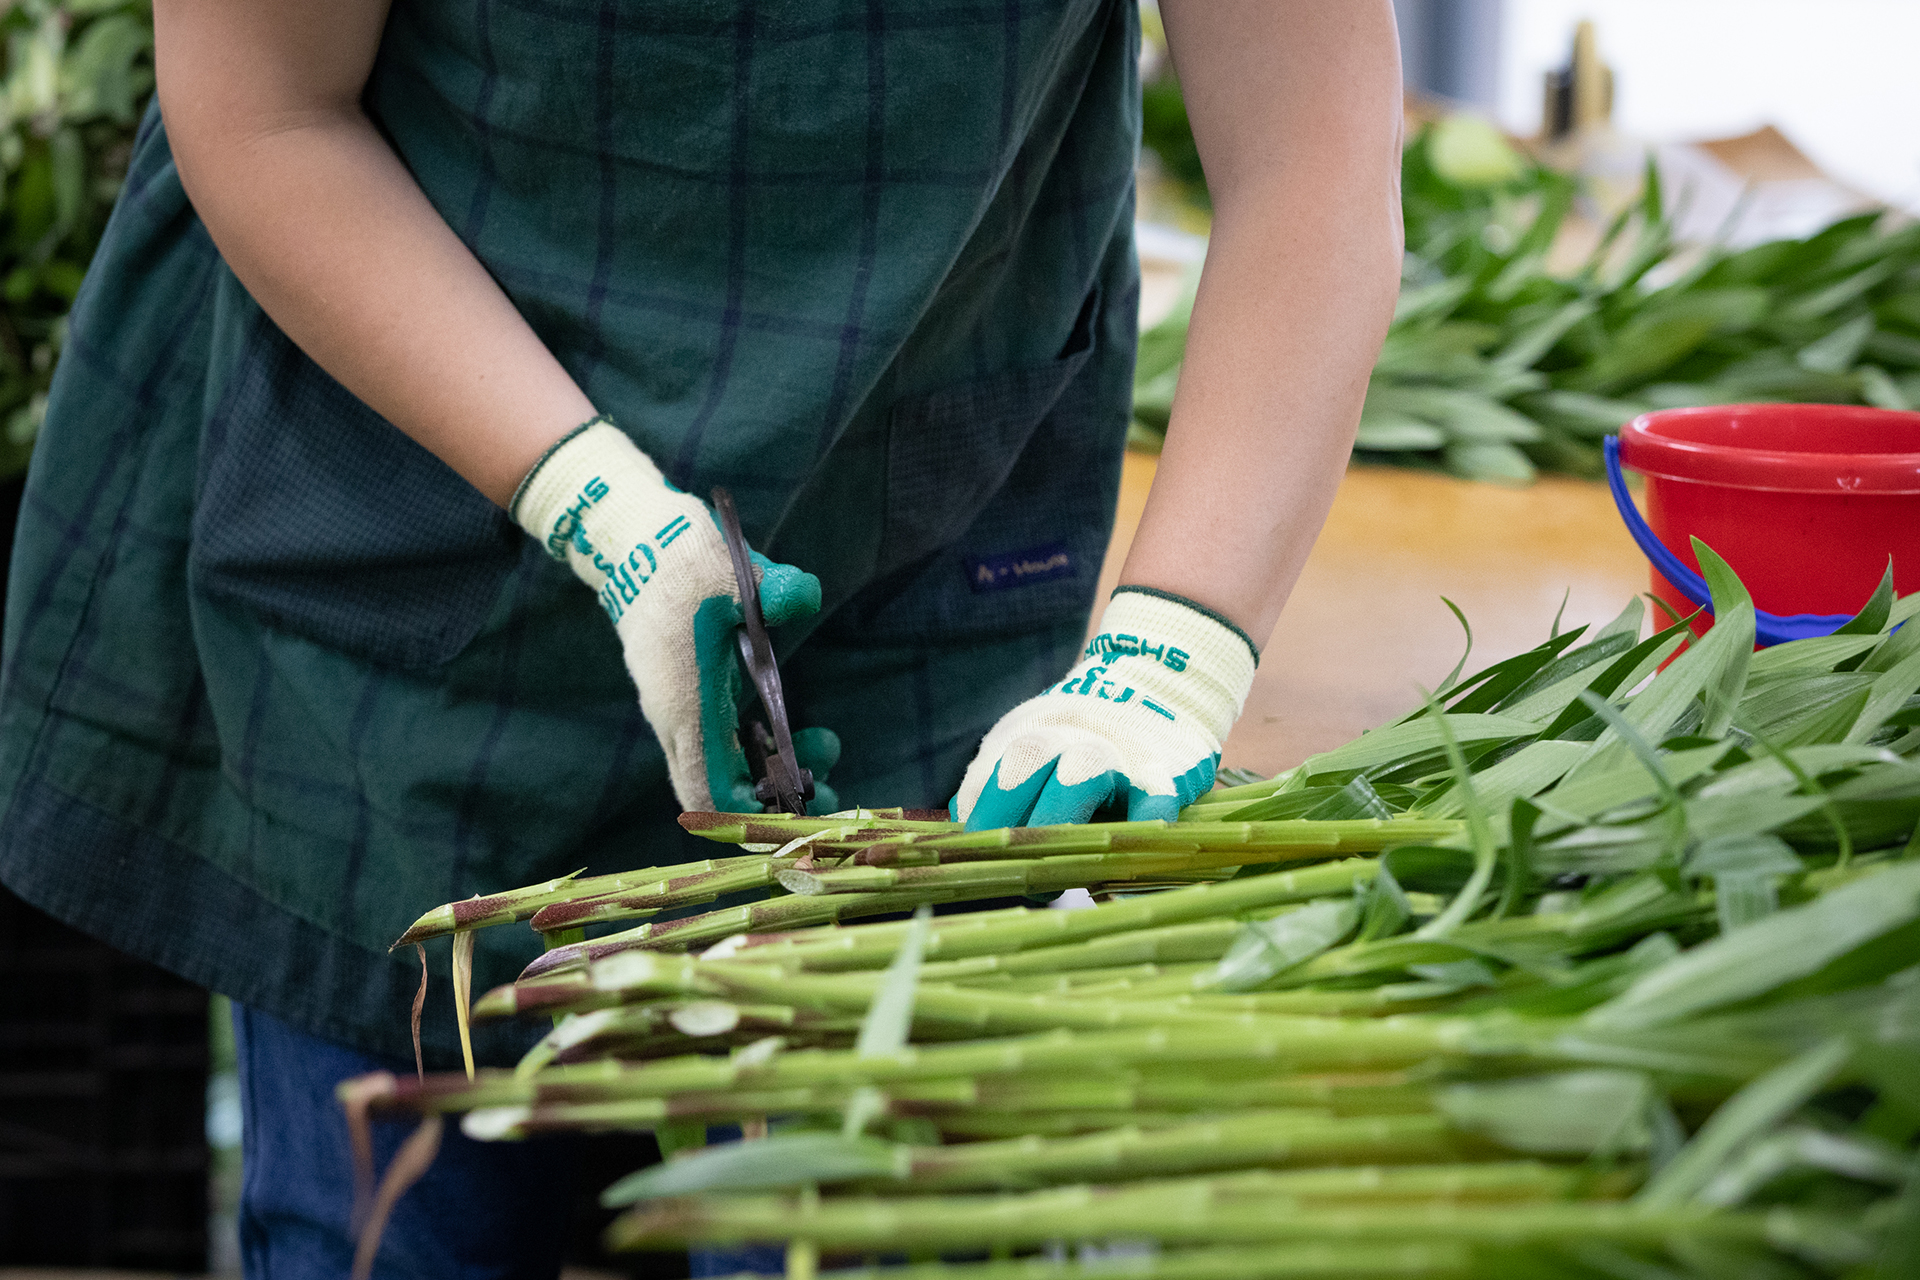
(1107,646)
(1093,683)
(624,580)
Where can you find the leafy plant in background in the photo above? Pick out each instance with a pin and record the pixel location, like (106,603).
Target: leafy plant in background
(1495,366)
(1164,129)
(78,74)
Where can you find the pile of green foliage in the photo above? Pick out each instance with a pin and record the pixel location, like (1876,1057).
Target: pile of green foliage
(1495,366)
(78,74)
(1599,966)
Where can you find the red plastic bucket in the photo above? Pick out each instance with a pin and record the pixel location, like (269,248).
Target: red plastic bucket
(1805,501)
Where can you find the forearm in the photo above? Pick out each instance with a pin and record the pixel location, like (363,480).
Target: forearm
(1288,320)
(1293,304)
(331,235)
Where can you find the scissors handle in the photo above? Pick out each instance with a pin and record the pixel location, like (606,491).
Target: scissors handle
(785,784)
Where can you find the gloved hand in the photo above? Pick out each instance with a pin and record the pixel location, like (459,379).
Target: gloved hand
(1141,719)
(657,560)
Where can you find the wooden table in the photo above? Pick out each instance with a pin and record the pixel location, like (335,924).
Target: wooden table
(1366,627)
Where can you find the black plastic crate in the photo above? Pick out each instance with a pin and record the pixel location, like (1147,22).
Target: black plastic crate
(103,1075)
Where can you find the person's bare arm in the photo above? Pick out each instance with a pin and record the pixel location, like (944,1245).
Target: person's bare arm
(331,235)
(1296,110)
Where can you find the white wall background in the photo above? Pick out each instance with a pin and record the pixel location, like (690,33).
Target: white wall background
(1839,77)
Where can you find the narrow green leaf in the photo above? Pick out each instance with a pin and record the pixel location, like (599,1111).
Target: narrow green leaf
(1521,818)
(1485,690)
(1896,647)
(1526,348)
(1806,708)
(889,1021)
(1789,944)
(1587,416)
(1475,417)
(1741,898)
(1836,350)
(1712,817)
(1890,691)
(1732,609)
(1746,872)
(1355,800)
(1386,909)
(1570,1113)
(69,177)
(1267,948)
(1872,618)
(1713,669)
(1742,1118)
(1413,739)
(1768,1157)
(1461,665)
(1430,302)
(1497,463)
(1809,788)
(1879,389)
(1676,810)
(1522,775)
(1624,781)
(1625,623)
(778,1160)
(1815,653)
(1906,607)
(1834,296)
(1485,856)
(1392,432)
(1765,774)
(1625,673)
(1554,687)
(1163,346)
(1663,334)
(1743,855)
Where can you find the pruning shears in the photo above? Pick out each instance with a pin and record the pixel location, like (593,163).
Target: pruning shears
(778,780)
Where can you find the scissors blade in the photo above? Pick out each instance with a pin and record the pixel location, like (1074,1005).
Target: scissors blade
(780,781)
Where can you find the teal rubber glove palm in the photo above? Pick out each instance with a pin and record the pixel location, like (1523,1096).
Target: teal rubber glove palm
(1139,721)
(657,560)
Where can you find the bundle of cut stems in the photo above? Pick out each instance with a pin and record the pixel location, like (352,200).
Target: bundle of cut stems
(1590,968)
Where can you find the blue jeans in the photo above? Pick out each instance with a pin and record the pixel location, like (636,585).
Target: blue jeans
(483,1211)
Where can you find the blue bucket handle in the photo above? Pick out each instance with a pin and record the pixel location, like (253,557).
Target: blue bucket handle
(1769,628)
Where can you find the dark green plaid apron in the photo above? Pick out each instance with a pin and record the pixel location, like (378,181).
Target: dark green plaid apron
(275,680)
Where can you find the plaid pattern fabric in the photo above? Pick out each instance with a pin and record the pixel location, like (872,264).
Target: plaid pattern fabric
(275,680)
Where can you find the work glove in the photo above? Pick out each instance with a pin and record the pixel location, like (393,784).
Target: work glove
(1140,720)
(656,558)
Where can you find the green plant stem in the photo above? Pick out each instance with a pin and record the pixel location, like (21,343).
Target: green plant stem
(659,886)
(1347,1261)
(773,915)
(1276,841)
(1276,1044)
(1035,876)
(1022,929)
(946,1223)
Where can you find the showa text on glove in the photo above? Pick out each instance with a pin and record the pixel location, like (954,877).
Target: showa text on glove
(1107,647)
(567,529)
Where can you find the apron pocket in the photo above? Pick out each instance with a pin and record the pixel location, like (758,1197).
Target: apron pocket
(950,452)
(1000,500)
(322,519)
